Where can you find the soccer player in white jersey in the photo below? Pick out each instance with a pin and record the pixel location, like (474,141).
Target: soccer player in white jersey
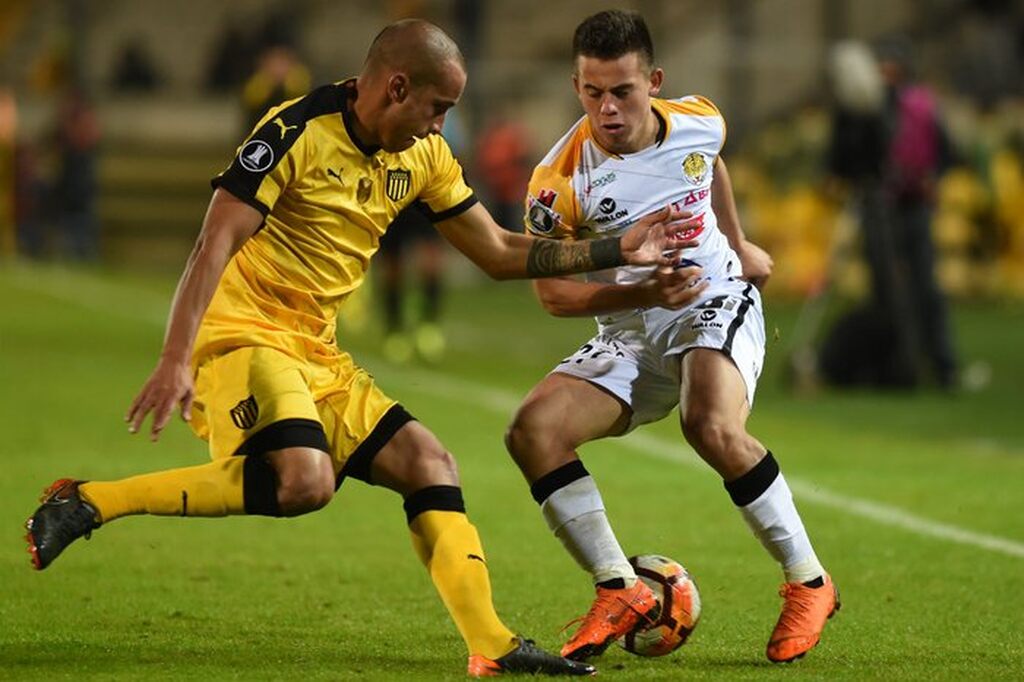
(692,336)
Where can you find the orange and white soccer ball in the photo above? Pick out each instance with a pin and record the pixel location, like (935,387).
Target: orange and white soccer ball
(680,606)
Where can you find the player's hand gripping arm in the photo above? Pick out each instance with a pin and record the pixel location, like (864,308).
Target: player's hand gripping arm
(757,264)
(229,222)
(666,288)
(507,255)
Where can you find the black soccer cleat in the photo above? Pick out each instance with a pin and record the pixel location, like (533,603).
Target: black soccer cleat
(528,658)
(62,518)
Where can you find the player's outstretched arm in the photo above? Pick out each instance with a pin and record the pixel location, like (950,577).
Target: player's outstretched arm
(757,264)
(228,223)
(667,287)
(507,255)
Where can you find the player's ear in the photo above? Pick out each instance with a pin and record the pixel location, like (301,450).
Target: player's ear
(398,87)
(657,78)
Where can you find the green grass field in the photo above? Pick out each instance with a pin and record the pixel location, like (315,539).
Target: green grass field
(914,502)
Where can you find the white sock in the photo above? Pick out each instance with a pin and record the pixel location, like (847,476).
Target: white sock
(776,523)
(575,513)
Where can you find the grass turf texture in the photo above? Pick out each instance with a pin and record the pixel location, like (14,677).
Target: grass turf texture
(339,595)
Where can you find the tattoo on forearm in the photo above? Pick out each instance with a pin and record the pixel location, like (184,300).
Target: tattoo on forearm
(548,258)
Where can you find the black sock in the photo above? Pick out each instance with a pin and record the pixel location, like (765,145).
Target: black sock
(259,487)
(431,298)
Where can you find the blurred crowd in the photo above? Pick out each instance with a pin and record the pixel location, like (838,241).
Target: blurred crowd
(804,181)
(799,181)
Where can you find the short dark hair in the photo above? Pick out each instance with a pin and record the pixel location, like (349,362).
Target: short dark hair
(612,34)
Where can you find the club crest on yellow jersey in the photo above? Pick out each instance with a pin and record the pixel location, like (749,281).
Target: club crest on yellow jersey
(397,183)
(245,413)
(695,168)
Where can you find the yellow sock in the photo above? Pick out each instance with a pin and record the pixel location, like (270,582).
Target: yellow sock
(449,547)
(213,489)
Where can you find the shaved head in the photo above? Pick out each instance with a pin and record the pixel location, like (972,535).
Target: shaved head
(416,47)
(413,74)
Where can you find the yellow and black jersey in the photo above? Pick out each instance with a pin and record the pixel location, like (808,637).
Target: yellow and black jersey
(327,199)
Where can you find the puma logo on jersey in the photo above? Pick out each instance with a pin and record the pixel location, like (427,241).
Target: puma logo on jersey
(283,127)
(335,174)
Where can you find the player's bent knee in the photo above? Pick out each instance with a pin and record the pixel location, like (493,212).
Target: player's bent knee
(299,499)
(529,431)
(305,480)
(414,458)
(726,446)
(708,435)
(435,466)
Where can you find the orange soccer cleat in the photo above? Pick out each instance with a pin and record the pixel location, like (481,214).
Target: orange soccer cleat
(526,658)
(614,613)
(804,612)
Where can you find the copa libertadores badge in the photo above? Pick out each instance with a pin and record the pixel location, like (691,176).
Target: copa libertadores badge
(245,413)
(256,156)
(397,184)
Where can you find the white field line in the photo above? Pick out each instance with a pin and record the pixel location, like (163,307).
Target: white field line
(94,294)
(505,402)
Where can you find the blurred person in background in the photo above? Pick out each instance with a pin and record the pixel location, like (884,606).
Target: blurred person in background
(872,344)
(503,166)
(412,247)
(134,70)
(77,139)
(250,355)
(917,155)
(29,193)
(889,148)
(232,58)
(412,240)
(692,336)
(279,76)
(8,172)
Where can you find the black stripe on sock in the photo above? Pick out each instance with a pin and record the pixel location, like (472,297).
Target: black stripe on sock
(359,462)
(752,484)
(259,487)
(559,478)
(434,498)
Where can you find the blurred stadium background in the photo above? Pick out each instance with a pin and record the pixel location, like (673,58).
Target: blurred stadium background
(166,84)
(114,114)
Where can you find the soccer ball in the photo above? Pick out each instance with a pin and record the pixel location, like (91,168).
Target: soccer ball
(680,607)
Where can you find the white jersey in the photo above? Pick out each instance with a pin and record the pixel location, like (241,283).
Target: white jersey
(581,191)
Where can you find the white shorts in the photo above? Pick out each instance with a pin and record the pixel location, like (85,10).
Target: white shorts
(638,359)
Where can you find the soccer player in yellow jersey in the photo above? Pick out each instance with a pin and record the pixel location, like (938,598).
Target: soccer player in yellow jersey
(250,356)
(692,337)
